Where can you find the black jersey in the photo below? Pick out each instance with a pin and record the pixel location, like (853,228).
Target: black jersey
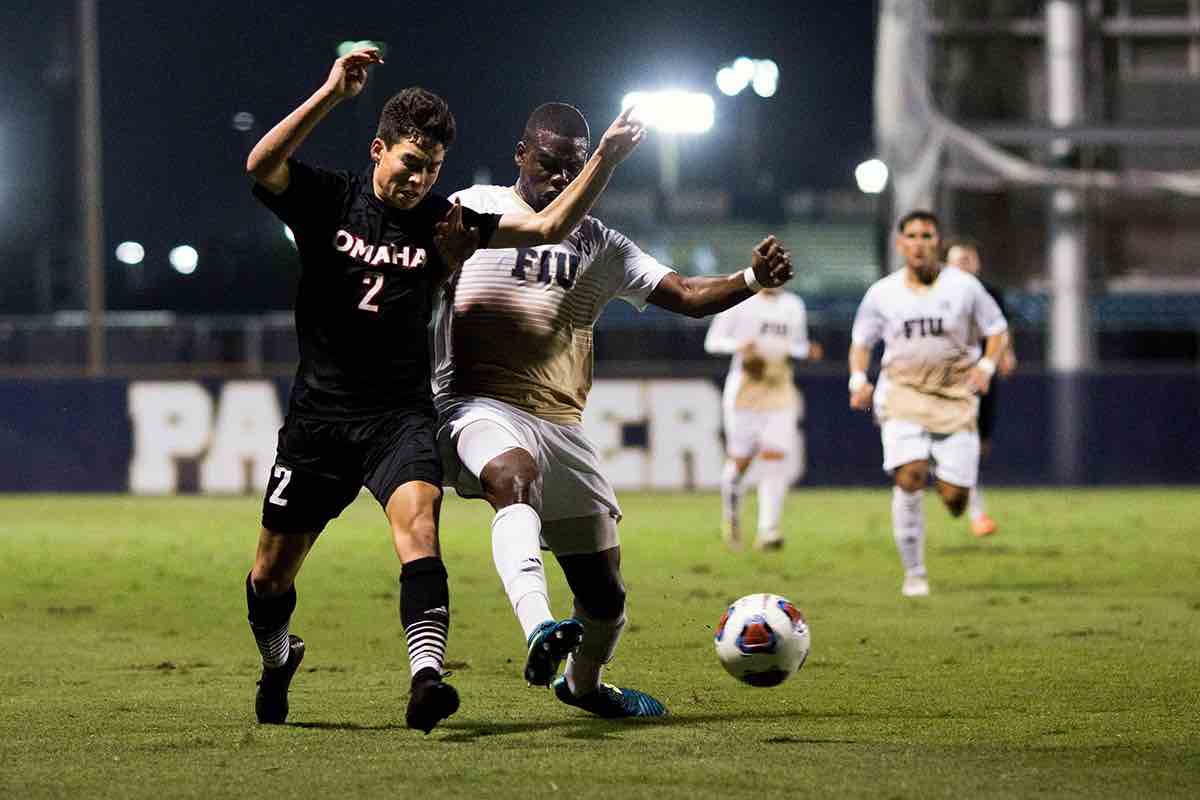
(367,282)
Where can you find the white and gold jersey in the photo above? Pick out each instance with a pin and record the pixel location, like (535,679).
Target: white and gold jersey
(930,345)
(516,325)
(777,324)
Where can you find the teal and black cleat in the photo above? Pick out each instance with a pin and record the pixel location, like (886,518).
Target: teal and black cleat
(549,644)
(610,702)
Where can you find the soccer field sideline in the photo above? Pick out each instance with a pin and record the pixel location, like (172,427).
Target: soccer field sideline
(1056,659)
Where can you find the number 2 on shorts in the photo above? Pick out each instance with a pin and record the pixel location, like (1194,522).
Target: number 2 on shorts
(285,476)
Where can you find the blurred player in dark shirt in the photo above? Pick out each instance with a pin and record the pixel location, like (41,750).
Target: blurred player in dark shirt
(964,254)
(374,247)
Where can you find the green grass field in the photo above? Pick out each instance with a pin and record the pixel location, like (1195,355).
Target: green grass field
(1059,658)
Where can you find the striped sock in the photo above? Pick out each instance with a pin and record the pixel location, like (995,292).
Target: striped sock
(273,646)
(269,618)
(425,612)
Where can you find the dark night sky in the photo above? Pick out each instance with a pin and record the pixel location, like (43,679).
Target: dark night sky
(174,74)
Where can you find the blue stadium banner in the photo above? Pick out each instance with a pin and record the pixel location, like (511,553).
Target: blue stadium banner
(218,436)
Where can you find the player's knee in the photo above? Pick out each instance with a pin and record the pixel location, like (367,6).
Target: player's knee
(512,478)
(911,479)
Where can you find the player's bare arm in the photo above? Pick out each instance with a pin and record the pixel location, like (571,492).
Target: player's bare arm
(861,389)
(556,221)
(770,267)
(980,376)
(267,162)
(455,242)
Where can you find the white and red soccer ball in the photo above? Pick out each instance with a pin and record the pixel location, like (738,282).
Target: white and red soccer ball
(762,639)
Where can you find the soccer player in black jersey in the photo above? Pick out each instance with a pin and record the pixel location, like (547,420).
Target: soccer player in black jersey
(964,254)
(373,249)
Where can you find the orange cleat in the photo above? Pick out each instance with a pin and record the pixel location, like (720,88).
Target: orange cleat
(983,525)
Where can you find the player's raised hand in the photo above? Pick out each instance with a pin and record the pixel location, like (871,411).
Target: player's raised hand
(622,137)
(772,264)
(348,75)
(455,242)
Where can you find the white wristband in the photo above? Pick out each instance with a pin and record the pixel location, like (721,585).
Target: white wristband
(751,282)
(987,365)
(857,381)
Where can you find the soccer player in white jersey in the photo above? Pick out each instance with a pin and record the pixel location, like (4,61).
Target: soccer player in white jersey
(513,348)
(760,404)
(930,318)
(964,254)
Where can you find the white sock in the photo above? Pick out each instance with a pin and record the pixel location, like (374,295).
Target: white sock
(600,637)
(731,489)
(772,490)
(975,505)
(516,550)
(908,529)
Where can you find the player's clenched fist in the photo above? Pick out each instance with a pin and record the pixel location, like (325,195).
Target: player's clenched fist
(772,264)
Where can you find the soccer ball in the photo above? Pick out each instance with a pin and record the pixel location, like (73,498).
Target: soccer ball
(762,639)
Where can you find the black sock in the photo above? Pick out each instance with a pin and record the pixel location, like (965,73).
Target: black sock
(425,614)
(269,617)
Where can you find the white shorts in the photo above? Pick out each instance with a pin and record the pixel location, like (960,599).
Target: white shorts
(954,457)
(572,484)
(750,432)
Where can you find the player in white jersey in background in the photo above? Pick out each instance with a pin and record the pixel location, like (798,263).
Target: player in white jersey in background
(930,318)
(760,404)
(513,347)
(964,254)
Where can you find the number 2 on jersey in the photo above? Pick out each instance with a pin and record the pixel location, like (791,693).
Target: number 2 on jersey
(374,282)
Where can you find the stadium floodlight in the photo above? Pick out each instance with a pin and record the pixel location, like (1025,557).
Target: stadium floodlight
(760,73)
(766,77)
(287,234)
(243,121)
(184,259)
(349,46)
(130,253)
(871,176)
(673,110)
(730,81)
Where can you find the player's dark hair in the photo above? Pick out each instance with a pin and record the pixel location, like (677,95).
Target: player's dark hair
(919,214)
(416,113)
(965,242)
(558,118)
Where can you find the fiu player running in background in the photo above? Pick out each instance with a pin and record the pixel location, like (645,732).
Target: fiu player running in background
(373,247)
(760,404)
(964,254)
(513,372)
(930,319)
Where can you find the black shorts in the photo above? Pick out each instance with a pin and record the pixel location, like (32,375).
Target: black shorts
(987,413)
(320,465)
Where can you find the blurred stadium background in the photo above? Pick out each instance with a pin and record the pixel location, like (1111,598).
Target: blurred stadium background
(145,331)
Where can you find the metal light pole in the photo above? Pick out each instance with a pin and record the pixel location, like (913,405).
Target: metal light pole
(90,187)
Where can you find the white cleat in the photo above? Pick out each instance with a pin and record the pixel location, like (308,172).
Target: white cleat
(915,586)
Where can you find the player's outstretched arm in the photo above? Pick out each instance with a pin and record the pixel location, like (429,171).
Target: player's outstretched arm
(556,221)
(861,389)
(267,162)
(770,267)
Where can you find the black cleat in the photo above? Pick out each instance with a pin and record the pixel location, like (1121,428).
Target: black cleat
(431,701)
(271,699)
